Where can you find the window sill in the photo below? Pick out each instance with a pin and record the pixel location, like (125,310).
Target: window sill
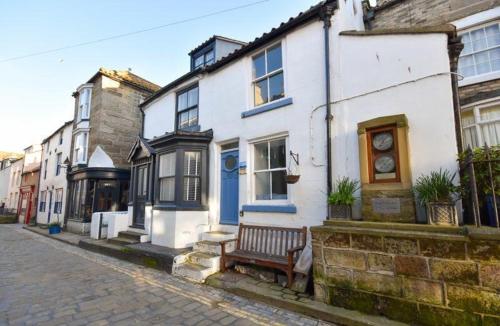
(267,107)
(479,78)
(192,128)
(289,209)
(173,207)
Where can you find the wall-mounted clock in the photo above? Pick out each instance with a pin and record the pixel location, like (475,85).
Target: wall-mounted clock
(383,141)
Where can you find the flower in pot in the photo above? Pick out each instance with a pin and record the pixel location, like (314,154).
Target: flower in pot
(436,192)
(342,197)
(54,228)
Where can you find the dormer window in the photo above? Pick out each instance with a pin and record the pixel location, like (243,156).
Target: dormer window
(84,103)
(204,59)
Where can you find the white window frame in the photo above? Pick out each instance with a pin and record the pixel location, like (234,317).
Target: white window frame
(271,202)
(58,164)
(478,123)
(268,74)
(478,78)
(78,147)
(170,176)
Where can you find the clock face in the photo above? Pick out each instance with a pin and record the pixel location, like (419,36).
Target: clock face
(383,141)
(385,164)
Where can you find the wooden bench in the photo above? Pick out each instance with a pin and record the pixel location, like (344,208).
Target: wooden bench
(274,247)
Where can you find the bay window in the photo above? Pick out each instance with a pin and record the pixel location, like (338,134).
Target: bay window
(80,148)
(267,69)
(270,170)
(187,109)
(481,125)
(481,53)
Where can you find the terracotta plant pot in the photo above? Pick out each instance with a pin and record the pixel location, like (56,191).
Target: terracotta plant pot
(339,211)
(442,213)
(290,178)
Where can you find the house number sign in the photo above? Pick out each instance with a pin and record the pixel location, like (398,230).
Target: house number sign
(386,205)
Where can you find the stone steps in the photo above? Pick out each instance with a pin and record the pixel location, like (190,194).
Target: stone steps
(204,260)
(132,235)
(122,241)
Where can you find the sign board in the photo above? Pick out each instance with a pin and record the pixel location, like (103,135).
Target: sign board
(386,205)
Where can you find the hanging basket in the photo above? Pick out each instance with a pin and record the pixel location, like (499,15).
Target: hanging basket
(292,178)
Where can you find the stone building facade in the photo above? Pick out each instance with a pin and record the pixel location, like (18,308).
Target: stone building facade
(477,22)
(107,120)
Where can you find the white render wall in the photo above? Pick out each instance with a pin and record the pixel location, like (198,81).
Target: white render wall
(4,185)
(53,182)
(399,77)
(16,170)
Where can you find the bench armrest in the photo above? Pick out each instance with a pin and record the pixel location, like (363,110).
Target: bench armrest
(222,243)
(292,250)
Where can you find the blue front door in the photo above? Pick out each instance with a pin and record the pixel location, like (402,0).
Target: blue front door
(229,188)
(50,206)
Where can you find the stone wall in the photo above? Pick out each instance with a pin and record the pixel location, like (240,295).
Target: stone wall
(115,119)
(478,92)
(407,13)
(419,274)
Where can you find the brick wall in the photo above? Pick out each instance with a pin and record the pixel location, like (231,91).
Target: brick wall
(406,13)
(115,119)
(419,274)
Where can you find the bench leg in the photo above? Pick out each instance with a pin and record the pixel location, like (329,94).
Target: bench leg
(290,278)
(222,264)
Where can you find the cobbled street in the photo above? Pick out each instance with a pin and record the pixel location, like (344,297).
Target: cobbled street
(46,282)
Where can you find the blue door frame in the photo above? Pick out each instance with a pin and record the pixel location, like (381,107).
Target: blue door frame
(229,193)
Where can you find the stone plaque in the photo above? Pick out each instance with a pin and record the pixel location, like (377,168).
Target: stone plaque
(386,205)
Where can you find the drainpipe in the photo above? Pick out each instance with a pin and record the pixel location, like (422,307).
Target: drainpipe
(326,16)
(455,46)
(141,133)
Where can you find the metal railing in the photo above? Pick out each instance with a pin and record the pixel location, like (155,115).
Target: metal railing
(480,174)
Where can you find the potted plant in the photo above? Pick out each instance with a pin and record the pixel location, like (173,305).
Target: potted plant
(436,192)
(342,197)
(54,228)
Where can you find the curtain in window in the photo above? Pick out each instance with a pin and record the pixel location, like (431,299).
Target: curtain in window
(167,177)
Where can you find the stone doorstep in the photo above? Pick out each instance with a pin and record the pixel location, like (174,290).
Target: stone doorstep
(281,297)
(193,272)
(213,246)
(217,236)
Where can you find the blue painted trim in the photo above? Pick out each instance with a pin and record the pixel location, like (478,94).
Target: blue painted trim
(267,107)
(290,209)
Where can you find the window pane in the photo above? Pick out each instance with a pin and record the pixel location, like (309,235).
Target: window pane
(495,59)
(198,61)
(193,97)
(466,66)
(193,117)
(467,44)
(262,182)
(192,189)
(261,95)
(482,62)
(184,120)
(209,57)
(490,114)
(167,189)
(167,165)
(259,65)
(478,40)
(493,35)
(467,119)
(182,101)
(278,155)
(192,163)
(278,185)
(261,156)
(491,133)
(274,60)
(276,87)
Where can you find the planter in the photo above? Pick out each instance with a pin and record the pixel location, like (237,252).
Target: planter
(339,211)
(442,213)
(291,178)
(54,229)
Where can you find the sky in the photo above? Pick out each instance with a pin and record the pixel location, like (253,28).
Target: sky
(35,92)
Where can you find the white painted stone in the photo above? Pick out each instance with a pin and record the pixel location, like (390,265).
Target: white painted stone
(99,159)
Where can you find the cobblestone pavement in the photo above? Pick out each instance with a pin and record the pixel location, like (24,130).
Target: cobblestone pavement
(46,282)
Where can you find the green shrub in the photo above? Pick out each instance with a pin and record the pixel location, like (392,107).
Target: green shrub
(436,187)
(343,192)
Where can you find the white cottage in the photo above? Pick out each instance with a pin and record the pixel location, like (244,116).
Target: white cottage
(219,143)
(53,188)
